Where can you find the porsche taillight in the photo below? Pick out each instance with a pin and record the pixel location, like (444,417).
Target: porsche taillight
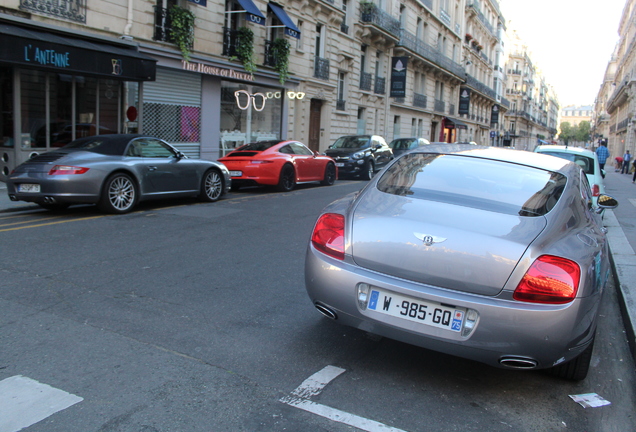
(67,169)
(328,235)
(550,279)
(596,191)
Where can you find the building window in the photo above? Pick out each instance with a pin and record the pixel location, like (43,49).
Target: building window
(362,126)
(340,102)
(396,127)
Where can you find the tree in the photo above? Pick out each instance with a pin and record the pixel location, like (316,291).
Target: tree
(567,132)
(583,132)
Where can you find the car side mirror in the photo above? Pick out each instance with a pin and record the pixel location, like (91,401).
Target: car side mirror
(607,202)
(180,155)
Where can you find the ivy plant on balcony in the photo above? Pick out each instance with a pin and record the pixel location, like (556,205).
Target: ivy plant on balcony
(182,29)
(280,51)
(367,7)
(245,48)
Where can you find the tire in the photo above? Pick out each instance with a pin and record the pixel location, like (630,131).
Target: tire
(54,207)
(330,175)
(119,195)
(287,180)
(577,368)
(369,171)
(211,186)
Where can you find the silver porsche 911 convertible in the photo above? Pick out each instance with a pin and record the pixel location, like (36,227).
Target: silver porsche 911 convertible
(490,254)
(115,172)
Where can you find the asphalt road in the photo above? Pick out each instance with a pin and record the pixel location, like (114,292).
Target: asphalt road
(194,317)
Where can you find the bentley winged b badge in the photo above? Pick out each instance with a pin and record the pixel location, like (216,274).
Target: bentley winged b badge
(429,240)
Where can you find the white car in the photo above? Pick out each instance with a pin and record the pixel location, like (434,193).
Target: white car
(586,159)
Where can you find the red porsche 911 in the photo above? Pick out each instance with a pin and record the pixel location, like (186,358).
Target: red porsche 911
(278,163)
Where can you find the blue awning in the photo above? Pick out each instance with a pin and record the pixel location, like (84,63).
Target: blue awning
(253,14)
(290,27)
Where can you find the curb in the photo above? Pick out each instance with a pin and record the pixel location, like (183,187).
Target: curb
(623,261)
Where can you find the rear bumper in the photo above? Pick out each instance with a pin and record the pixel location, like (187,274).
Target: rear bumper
(545,334)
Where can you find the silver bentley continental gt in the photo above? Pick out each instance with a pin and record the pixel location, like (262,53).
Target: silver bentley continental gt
(490,254)
(115,172)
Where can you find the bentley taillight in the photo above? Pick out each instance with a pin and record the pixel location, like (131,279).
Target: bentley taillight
(67,170)
(550,279)
(328,235)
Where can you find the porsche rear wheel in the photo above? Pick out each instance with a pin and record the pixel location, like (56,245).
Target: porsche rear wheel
(330,175)
(211,186)
(119,194)
(287,180)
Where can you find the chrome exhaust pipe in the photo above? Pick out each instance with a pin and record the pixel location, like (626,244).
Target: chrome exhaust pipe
(49,200)
(328,312)
(515,362)
(13,198)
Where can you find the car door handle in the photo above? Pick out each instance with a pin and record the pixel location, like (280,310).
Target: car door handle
(152,168)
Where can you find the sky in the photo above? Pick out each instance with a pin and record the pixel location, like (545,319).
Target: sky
(570,41)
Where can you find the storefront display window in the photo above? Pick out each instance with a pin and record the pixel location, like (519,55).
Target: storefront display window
(249,113)
(93,102)
(6,108)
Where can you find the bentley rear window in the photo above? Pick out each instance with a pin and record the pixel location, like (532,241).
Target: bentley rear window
(474,182)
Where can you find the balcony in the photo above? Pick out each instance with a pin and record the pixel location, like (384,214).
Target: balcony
(419,100)
(384,22)
(380,85)
(72,10)
(366,80)
(321,68)
(480,87)
(344,28)
(412,43)
(340,105)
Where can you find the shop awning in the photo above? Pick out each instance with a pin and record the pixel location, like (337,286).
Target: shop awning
(290,27)
(458,123)
(253,13)
(35,48)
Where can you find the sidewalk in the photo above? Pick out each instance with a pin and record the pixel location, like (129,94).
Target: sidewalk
(620,223)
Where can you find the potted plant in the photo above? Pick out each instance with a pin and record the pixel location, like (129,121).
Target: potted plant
(182,29)
(280,51)
(245,49)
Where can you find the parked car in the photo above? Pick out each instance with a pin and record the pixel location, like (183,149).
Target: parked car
(115,172)
(586,159)
(278,163)
(486,253)
(402,145)
(360,155)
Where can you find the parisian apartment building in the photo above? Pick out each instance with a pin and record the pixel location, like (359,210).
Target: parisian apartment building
(613,117)
(210,75)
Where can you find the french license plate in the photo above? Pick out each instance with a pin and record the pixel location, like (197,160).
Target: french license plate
(236,173)
(29,187)
(433,314)
(339,164)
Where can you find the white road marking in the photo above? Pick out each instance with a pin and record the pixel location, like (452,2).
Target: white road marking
(24,402)
(633,201)
(313,385)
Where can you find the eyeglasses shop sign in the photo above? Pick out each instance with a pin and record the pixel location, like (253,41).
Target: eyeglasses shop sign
(398,76)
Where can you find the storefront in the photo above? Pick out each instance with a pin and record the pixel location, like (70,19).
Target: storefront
(57,86)
(206,107)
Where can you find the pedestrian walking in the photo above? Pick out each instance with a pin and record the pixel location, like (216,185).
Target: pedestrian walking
(602,154)
(627,158)
(634,168)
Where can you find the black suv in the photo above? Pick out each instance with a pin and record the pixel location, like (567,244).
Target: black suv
(360,155)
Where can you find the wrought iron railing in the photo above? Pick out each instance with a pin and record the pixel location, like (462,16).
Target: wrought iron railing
(439,106)
(163,25)
(270,58)
(73,10)
(230,41)
(321,68)
(344,28)
(340,105)
(380,85)
(366,81)
(480,87)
